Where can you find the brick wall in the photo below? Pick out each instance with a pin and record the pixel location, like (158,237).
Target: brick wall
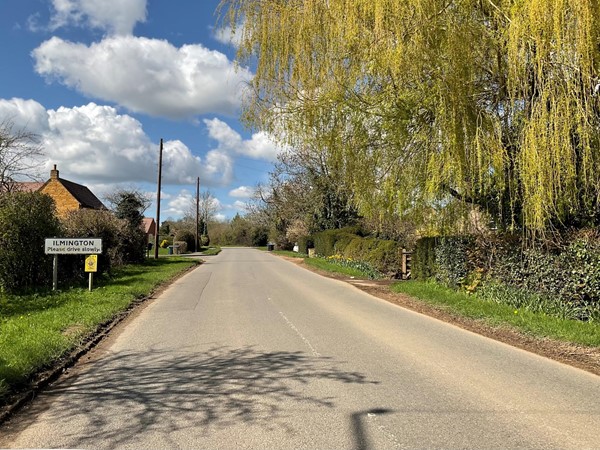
(65,202)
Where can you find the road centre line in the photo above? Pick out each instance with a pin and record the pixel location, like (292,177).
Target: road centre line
(306,341)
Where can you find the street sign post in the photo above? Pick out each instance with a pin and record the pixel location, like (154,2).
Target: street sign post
(91,266)
(71,246)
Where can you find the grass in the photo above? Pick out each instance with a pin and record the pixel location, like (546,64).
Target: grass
(289,254)
(210,251)
(534,323)
(329,266)
(36,329)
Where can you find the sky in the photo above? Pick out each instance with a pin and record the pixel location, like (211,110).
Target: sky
(102,81)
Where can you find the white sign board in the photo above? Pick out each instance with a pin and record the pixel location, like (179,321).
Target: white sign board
(66,246)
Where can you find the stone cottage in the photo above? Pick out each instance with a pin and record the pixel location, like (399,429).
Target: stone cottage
(69,196)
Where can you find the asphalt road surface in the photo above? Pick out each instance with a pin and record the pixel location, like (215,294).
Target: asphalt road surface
(252,351)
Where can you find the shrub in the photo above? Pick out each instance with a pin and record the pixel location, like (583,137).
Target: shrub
(186,236)
(91,223)
(452,260)
(183,247)
(26,219)
(561,278)
(304,243)
(325,241)
(423,258)
(383,255)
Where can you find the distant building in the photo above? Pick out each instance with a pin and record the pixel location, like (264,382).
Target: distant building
(69,196)
(149,227)
(23,186)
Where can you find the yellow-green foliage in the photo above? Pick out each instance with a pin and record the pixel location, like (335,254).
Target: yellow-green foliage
(383,255)
(493,102)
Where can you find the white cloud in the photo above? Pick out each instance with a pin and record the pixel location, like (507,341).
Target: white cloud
(113,16)
(180,205)
(226,35)
(242,192)
(146,75)
(259,146)
(95,144)
(240,206)
(26,115)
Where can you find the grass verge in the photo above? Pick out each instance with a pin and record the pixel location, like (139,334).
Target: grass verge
(289,254)
(329,266)
(210,251)
(534,323)
(37,329)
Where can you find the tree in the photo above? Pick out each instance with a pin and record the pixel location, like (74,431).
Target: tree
(306,193)
(129,205)
(208,206)
(424,119)
(20,154)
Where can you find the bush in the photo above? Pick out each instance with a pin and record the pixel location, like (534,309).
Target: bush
(92,223)
(423,258)
(188,237)
(182,246)
(383,255)
(325,241)
(560,278)
(26,219)
(304,243)
(452,260)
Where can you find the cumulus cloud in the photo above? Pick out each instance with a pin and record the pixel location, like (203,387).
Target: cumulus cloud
(179,205)
(146,75)
(102,146)
(228,36)
(259,146)
(113,16)
(26,115)
(242,192)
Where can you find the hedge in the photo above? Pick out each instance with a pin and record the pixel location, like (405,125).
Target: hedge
(383,255)
(566,270)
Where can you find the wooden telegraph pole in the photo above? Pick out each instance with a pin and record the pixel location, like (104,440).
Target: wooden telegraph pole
(160,153)
(197,212)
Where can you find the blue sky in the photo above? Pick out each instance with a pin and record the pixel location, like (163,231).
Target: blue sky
(102,81)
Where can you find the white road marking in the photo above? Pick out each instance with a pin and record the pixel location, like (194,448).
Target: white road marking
(306,341)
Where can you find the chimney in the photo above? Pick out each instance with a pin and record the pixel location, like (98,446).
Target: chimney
(54,173)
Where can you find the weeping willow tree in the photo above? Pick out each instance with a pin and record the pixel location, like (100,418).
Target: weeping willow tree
(429,104)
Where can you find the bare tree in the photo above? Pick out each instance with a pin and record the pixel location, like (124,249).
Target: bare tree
(20,153)
(207,210)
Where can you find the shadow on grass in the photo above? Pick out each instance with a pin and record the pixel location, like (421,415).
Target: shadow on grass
(165,392)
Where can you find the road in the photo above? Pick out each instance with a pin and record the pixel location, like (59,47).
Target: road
(252,351)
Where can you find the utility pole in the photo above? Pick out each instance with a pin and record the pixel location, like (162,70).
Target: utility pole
(197,211)
(160,153)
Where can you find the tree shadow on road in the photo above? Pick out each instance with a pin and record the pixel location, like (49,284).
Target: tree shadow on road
(122,395)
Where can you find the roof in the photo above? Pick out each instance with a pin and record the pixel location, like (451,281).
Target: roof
(82,194)
(29,186)
(148,225)
(24,186)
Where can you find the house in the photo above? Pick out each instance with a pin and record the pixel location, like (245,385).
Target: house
(149,227)
(23,186)
(69,196)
